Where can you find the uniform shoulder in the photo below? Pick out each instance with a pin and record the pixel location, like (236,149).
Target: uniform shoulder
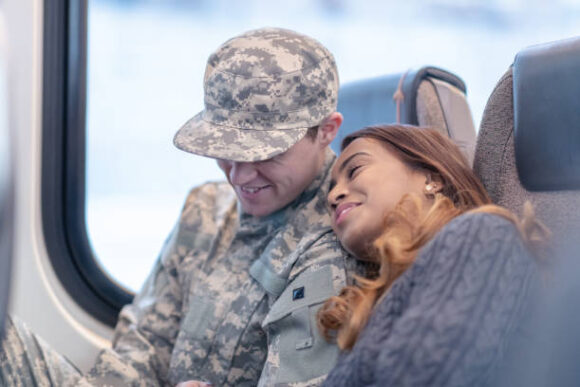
(208,201)
(324,251)
(213,192)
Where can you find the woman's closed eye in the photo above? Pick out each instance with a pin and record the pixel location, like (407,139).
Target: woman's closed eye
(352,170)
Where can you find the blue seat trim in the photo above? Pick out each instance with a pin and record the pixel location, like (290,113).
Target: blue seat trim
(546,86)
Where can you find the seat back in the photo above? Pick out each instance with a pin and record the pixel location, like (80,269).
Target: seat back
(528,149)
(427,97)
(528,146)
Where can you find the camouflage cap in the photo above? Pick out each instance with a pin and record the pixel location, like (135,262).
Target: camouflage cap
(262,91)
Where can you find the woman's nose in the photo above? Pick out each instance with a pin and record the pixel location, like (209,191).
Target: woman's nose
(336,194)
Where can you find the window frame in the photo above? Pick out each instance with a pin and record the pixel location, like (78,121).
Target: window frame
(7,197)
(63,186)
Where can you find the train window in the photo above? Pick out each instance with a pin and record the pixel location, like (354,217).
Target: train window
(144,70)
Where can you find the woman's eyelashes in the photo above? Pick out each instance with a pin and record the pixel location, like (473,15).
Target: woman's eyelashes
(352,170)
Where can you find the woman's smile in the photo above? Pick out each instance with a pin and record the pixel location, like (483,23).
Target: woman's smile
(342,211)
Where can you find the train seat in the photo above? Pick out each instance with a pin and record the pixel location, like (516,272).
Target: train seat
(528,149)
(528,146)
(428,96)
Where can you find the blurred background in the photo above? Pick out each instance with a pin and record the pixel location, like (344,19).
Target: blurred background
(146,60)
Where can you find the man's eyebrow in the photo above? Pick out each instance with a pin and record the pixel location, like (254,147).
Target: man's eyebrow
(345,162)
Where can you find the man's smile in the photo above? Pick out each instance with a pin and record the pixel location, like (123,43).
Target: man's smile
(252,191)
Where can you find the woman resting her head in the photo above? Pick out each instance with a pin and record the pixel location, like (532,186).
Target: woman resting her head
(454,272)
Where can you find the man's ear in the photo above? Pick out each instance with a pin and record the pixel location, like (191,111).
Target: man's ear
(328,129)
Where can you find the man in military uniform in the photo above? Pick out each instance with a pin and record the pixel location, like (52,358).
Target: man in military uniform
(233,297)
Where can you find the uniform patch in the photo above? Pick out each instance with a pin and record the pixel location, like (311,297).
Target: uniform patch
(298,293)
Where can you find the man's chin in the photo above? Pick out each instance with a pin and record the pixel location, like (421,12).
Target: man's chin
(257,211)
(260,211)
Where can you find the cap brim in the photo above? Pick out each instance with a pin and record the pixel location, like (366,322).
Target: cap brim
(228,143)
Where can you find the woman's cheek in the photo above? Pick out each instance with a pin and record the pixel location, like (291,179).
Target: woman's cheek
(355,241)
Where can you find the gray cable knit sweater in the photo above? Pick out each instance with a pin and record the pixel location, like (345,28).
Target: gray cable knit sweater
(448,319)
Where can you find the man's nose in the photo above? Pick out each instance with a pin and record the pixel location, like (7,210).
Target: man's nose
(242,173)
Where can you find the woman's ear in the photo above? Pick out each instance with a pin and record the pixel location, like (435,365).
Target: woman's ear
(433,183)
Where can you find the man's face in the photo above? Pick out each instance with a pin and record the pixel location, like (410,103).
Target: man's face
(264,187)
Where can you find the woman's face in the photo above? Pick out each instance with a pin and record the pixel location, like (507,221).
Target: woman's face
(368,181)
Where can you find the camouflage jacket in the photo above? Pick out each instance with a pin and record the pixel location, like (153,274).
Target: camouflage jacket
(232,299)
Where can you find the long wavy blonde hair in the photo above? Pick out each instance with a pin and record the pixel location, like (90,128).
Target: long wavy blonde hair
(409,226)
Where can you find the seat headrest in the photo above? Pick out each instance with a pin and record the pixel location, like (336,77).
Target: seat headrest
(546,88)
(427,97)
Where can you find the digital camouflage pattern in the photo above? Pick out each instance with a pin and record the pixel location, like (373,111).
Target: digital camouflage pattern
(26,360)
(204,313)
(219,305)
(263,90)
(232,299)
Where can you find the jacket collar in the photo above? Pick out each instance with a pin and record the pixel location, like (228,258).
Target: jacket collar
(293,231)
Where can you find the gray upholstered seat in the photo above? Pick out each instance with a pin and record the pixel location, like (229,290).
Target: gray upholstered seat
(428,97)
(528,148)
(533,116)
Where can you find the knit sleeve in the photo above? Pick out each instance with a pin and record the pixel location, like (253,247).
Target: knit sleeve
(465,294)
